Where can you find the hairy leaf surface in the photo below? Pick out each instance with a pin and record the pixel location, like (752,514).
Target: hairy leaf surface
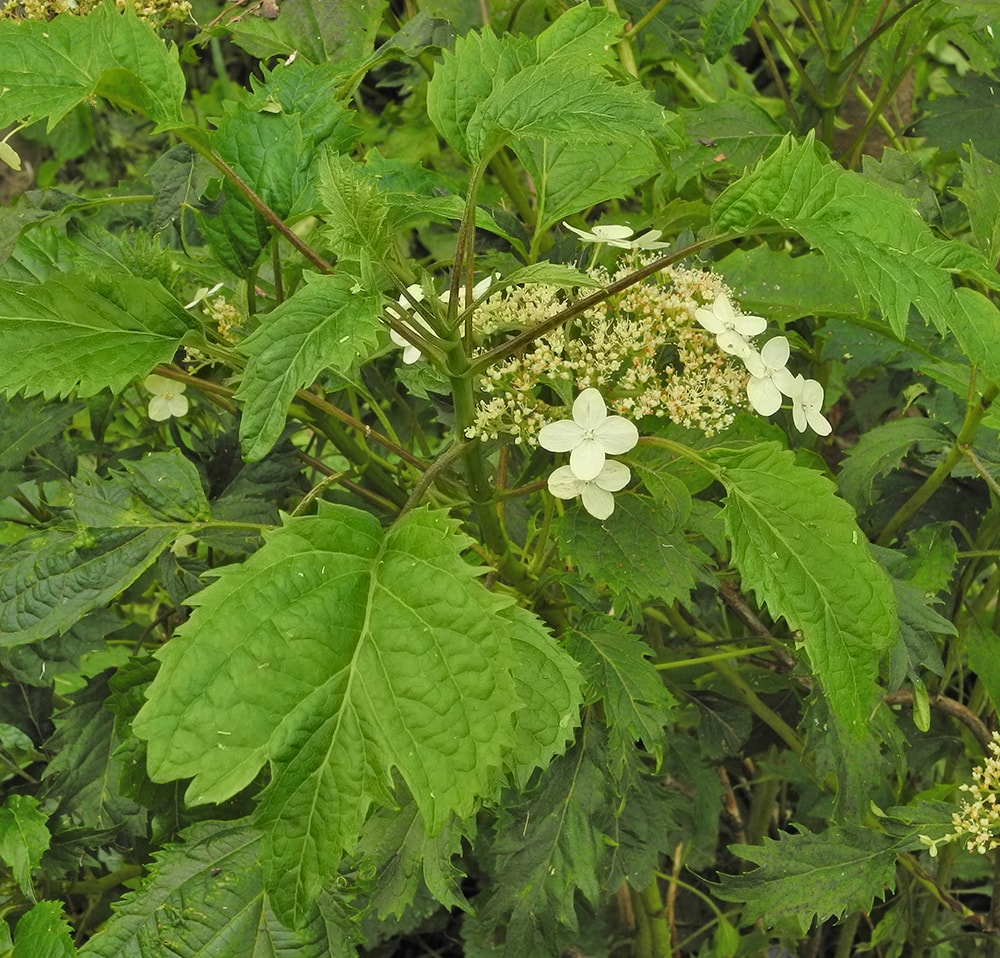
(338,653)
(798,547)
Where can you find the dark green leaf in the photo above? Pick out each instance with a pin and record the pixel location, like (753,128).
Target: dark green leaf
(803,877)
(968,116)
(980,193)
(24,837)
(726,23)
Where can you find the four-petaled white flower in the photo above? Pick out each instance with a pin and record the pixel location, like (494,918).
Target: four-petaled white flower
(807,405)
(596,492)
(619,237)
(167,398)
(769,379)
(589,436)
(730,328)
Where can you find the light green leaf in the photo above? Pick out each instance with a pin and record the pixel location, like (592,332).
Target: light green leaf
(356,211)
(43,932)
(50,67)
(327,324)
(798,547)
(85,333)
(50,580)
(980,194)
(337,653)
(976,325)
(872,235)
(210,890)
(616,663)
(24,837)
(725,24)
(805,876)
(879,451)
(583,34)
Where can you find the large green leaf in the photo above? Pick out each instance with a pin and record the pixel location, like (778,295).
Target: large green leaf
(50,67)
(328,324)
(726,23)
(43,932)
(980,193)
(338,653)
(968,116)
(803,877)
(85,333)
(206,897)
(798,547)
(871,234)
(976,325)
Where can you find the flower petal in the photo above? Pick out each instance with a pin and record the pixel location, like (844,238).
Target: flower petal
(560,436)
(159,409)
(587,459)
(614,476)
(616,435)
(775,352)
(564,485)
(764,396)
(597,501)
(612,232)
(589,410)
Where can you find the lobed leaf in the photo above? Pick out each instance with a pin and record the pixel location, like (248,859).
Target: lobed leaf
(338,653)
(43,932)
(24,838)
(798,547)
(980,194)
(725,24)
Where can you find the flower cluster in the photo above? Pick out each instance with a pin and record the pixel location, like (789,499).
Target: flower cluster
(642,348)
(978,820)
(589,438)
(769,376)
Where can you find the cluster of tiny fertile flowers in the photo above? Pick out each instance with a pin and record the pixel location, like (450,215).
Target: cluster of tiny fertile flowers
(978,819)
(155,12)
(769,377)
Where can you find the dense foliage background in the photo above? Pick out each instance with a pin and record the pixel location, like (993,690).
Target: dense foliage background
(510,478)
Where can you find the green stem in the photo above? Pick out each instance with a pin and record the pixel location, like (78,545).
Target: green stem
(651,903)
(846,935)
(974,413)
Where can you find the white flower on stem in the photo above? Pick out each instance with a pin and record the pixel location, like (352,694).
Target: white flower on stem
(589,436)
(648,241)
(769,379)
(730,328)
(596,492)
(168,399)
(477,291)
(203,294)
(612,235)
(411,353)
(807,405)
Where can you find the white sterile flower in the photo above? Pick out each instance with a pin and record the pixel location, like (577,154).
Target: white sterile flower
(411,353)
(612,235)
(730,328)
(648,241)
(807,403)
(596,492)
(167,398)
(203,294)
(477,291)
(769,378)
(589,436)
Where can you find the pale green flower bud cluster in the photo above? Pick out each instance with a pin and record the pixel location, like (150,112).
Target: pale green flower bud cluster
(643,349)
(977,821)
